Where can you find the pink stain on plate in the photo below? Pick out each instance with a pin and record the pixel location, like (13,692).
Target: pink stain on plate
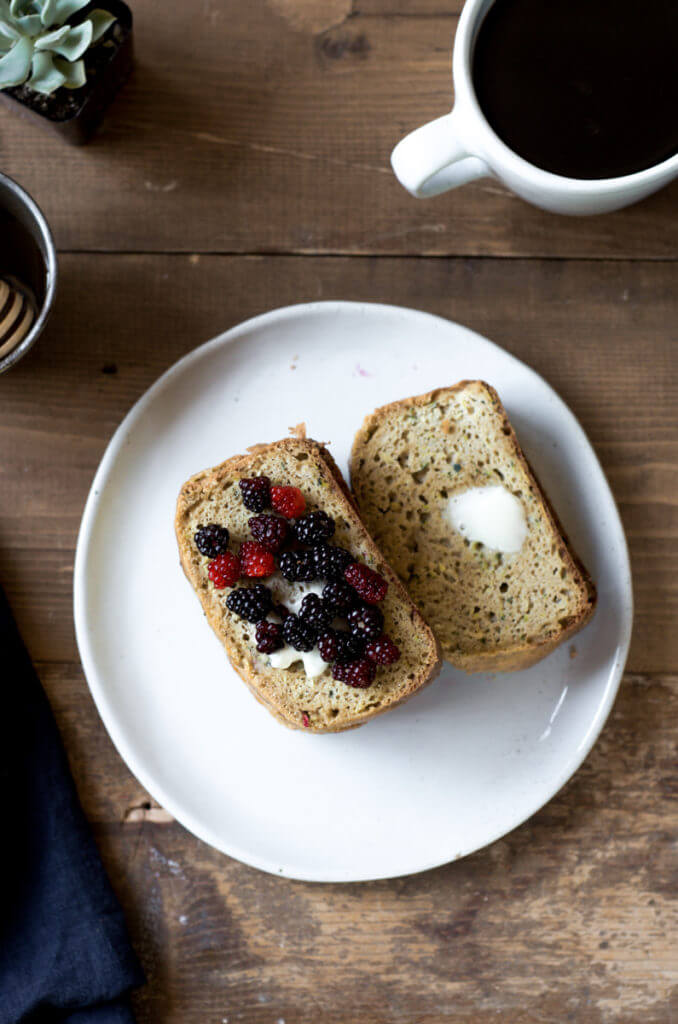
(361,371)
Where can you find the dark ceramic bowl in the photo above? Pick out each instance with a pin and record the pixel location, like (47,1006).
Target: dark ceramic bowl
(27,253)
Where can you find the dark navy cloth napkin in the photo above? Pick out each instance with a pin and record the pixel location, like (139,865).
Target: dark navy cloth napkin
(65,957)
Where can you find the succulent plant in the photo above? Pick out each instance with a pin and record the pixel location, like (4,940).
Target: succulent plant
(39,47)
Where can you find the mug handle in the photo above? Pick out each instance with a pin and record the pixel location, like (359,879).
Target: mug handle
(433,159)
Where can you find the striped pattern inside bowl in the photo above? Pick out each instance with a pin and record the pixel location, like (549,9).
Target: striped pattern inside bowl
(17,313)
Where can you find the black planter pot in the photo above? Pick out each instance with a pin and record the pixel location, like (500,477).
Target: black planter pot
(88,105)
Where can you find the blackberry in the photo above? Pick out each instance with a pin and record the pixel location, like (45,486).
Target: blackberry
(339,597)
(366,621)
(348,647)
(269,637)
(297,566)
(212,540)
(327,645)
(330,561)
(256,493)
(281,610)
(270,531)
(313,527)
(297,634)
(315,613)
(250,603)
(369,584)
(359,674)
(383,651)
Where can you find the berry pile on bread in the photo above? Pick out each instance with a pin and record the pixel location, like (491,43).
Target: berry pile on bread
(312,615)
(312,618)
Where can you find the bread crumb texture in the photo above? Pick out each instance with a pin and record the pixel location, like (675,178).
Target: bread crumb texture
(322,704)
(489,610)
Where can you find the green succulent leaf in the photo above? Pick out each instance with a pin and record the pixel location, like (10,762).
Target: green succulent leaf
(6,18)
(49,40)
(29,24)
(101,22)
(16,65)
(8,35)
(46,78)
(38,43)
(23,16)
(75,42)
(65,9)
(48,12)
(74,73)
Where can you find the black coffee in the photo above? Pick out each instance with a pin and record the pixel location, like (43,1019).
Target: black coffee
(583,88)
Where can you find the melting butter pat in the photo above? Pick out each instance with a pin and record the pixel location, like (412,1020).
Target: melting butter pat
(489,515)
(314,665)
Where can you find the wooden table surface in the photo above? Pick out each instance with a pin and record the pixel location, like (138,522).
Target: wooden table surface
(244,167)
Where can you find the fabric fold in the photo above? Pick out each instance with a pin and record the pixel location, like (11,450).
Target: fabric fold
(65,955)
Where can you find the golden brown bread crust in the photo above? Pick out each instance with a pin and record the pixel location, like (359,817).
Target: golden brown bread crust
(202,484)
(518,656)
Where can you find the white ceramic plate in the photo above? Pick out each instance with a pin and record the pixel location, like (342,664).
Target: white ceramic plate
(459,765)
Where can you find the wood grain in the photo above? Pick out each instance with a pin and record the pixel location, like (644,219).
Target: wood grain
(409,8)
(278,140)
(608,352)
(246,166)
(572,917)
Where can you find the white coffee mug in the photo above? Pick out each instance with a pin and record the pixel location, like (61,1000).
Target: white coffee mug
(461,147)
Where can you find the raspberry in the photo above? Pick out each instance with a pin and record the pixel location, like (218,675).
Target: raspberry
(269,637)
(327,646)
(297,566)
(348,647)
(270,531)
(383,650)
(211,540)
(313,527)
(330,561)
(288,501)
(297,634)
(359,674)
(251,603)
(366,621)
(256,493)
(255,559)
(369,584)
(339,597)
(224,570)
(315,613)
(305,719)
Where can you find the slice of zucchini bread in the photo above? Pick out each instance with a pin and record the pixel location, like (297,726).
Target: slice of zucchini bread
(445,490)
(312,617)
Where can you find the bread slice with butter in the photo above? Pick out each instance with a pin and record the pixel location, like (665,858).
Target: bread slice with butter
(316,702)
(443,485)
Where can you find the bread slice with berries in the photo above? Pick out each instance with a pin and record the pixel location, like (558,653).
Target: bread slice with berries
(312,617)
(448,495)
